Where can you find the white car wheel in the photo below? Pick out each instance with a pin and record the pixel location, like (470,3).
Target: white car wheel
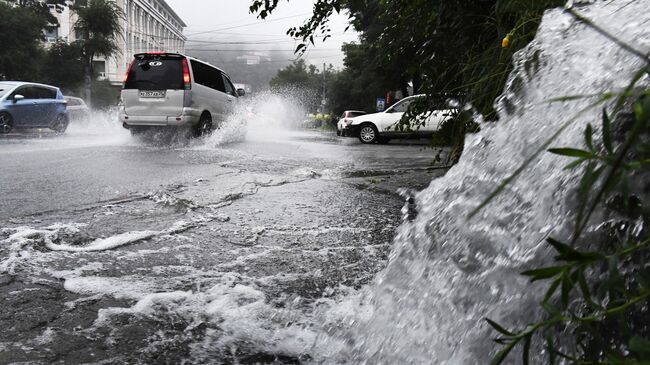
(368,134)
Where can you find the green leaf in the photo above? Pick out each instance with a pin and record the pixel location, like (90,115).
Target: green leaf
(571,152)
(501,355)
(575,164)
(567,285)
(589,137)
(550,308)
(551,350)
(560,247)
(568,253)
(551,290)
(607,133)
(526,351)
(498,327)
(300,47)
(584,288)
(544,273)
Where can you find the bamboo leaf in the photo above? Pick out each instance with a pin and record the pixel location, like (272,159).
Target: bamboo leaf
(607,133)
(550,308)
(571,152)
(551,350)
(589,137)
(544,273)
(567,285)
(526,351)
(498,327)
(551,290)
(560,247)
(575,164)
(584,288)
(568,253)
(501,355)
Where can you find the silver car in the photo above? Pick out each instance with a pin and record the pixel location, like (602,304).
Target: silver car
(78,111)
(173,90)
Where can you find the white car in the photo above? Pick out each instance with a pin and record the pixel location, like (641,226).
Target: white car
(78,111)
(173,90)
(381,127)
(345,120)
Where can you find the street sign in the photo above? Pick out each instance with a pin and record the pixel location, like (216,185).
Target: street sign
(381,104)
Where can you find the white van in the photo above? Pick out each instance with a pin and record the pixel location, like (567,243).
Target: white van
(171,89)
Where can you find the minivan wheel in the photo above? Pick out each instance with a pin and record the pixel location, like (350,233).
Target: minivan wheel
(6,123)
(60,124)
(204,127)
(368,133)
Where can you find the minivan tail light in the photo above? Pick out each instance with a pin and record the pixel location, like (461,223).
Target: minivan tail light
(128,70)
(187,80)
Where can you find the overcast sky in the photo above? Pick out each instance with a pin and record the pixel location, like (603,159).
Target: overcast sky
(222,21)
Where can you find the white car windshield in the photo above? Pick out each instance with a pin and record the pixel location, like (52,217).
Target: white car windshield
(401,106)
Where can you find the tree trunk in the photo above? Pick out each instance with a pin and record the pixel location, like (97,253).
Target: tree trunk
(405,90)
(417,83)
(88,82)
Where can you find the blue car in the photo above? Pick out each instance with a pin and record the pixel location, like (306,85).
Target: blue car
(30,105)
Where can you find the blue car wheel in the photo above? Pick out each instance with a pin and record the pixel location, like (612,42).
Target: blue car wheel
(60,124)
(6,123)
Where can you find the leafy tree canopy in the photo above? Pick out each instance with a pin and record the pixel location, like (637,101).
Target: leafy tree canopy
(20,36)
(446,48)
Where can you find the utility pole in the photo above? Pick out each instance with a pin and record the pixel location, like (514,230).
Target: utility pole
(324,91)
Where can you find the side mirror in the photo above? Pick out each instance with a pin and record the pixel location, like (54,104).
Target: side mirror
(18,97)
(241,92)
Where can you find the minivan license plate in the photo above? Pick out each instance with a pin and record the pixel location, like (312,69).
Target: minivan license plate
(152,94)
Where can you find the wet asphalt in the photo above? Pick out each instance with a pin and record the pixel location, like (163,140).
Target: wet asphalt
(119,250)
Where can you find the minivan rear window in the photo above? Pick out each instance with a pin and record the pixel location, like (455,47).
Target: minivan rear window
(156,73)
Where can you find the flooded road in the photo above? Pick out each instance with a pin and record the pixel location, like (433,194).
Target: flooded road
(231,249)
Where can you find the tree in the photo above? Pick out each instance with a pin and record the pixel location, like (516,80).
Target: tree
(358,84)
(64,66)
(20,36)
(302,81)
(444,47)
(99,24)
(41,9)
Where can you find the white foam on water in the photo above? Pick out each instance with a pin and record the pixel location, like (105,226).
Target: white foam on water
(20,242)
(241,318)
(123,287)
(233,130)
(103,244)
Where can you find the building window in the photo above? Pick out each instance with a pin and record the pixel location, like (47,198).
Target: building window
(99,68)
(51,34)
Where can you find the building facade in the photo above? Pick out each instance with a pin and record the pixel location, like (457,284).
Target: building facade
(148,26)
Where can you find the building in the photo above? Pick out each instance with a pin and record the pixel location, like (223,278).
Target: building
(149,25)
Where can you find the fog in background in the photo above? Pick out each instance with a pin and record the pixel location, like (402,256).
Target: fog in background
(224,33)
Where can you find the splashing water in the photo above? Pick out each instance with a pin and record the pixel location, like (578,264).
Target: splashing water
(261,117)
(445,273)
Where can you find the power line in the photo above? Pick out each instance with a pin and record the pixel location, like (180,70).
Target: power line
(249,24)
